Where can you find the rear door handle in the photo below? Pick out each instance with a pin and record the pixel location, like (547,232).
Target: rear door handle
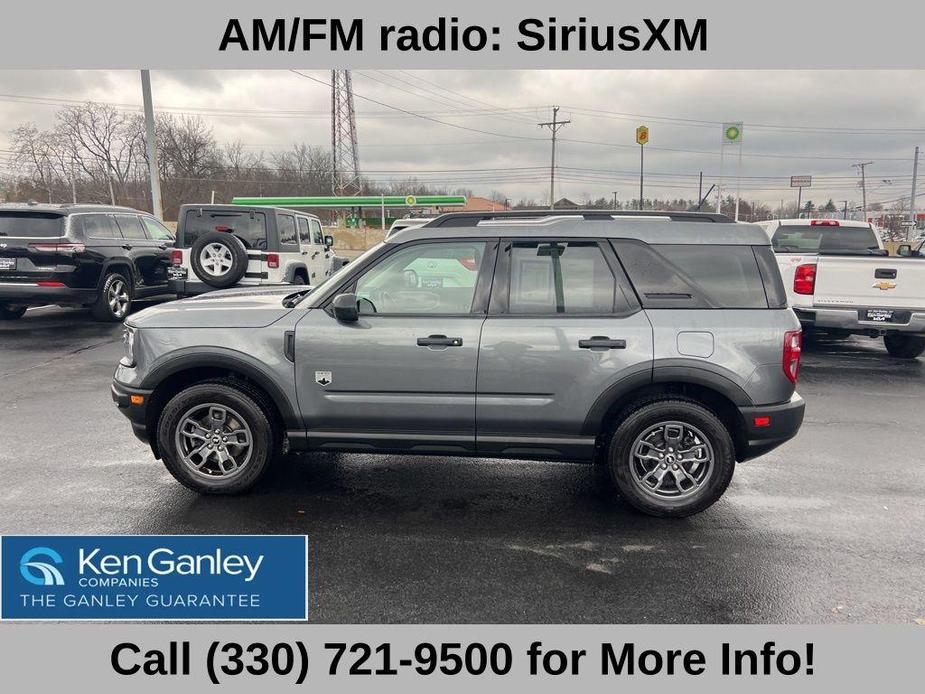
(599,342)
(127,246)
(439,341)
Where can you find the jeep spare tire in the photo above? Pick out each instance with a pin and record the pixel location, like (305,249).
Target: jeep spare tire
(219,259)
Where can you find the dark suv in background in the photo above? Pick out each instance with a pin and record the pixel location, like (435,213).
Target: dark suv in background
(97,256)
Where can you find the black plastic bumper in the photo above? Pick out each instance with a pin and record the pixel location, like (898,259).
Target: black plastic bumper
(782,424)
(184,288)
(30,294)
(136,412)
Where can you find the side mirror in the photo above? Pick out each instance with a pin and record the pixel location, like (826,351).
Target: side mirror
(345,308)
(328,240)
(905,250)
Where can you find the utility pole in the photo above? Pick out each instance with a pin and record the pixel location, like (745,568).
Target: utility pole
(700,187)
(345,155)
(915,175)
(554,125)
(844,214)
(862,166)
(614,199)
(151,146)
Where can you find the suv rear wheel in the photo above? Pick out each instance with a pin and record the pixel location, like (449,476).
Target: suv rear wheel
(904,346)
(115,298)
(671,458)
(11,312)
(215,439)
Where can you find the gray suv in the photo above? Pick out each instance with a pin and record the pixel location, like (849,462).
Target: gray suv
(659,345)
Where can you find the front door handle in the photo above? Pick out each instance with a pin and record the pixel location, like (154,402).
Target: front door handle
(439,341)
(127,246)
(599,342)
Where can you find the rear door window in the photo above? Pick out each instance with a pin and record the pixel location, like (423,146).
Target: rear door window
(249,227)
(559,277)
(287,231)
(31,224)
(305,236)
(131,226)
(799,238)
(98,226)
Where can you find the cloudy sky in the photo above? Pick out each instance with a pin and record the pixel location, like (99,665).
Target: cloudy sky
(477,129)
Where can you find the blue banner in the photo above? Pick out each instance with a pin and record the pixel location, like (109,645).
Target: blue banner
(158,577)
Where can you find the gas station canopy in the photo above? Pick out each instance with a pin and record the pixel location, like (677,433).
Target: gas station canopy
(347,201)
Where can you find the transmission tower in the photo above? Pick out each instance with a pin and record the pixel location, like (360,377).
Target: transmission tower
(345,158)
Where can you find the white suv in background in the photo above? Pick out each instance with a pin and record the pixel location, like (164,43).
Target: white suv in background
(222,246)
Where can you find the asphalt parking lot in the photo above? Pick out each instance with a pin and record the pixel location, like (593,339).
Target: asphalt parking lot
(828,528)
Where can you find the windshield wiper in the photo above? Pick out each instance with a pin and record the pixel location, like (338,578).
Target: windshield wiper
(291,300)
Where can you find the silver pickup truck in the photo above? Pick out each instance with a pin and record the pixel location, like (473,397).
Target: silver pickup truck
(840,281)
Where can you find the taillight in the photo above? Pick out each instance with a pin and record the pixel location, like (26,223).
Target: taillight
(804,279)
(176,257)
(793,347)
(57,247)
(272,260)
(824,223)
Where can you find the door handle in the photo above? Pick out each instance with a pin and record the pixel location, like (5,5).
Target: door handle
(599,342)
(127,246)
(439,341)
(163,248)
(882,273)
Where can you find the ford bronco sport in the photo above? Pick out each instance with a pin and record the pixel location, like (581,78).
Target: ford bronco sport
(660,345)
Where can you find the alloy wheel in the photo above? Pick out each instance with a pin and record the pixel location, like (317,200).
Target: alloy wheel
(214,441)
(671,460)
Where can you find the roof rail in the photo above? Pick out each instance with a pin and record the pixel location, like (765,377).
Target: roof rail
(468,219)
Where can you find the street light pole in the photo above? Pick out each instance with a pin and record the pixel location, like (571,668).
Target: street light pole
(614,199)
(151,146)
(915,175)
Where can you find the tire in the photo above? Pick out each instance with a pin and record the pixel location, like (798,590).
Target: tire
(904,346)
(11,312)
(115,298)
(242,410)
(298,278)
(228,259)
(637,482)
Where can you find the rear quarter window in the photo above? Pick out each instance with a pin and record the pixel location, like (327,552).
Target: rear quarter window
(31,224)
(251,228)
(693,276)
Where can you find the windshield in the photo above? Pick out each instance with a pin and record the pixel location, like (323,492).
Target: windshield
(794,238)
(250,227)
(31,224)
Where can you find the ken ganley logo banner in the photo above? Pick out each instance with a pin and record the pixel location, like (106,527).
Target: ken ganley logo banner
(209,577)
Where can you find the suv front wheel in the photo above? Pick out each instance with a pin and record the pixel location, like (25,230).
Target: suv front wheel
(215,439)
(671,458)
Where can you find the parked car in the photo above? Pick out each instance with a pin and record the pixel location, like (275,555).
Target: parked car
(99,256)
(840,281)
(407,223)
(659,345)
(222,246)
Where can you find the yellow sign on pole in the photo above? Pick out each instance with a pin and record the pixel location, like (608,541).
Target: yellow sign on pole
(642,135)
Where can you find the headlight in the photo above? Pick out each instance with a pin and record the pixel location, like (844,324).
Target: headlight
(128,345)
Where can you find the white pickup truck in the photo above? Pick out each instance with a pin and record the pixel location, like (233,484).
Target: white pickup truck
(840,281)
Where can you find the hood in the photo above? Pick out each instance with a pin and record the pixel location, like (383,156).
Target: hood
(243,307)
